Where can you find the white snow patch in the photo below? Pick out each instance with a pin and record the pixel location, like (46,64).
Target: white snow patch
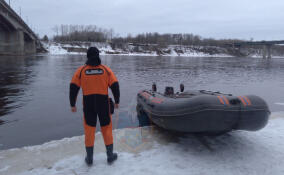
(279,114)
(236,153)
(4,169)
(261,56)
(56,50)
(53,144)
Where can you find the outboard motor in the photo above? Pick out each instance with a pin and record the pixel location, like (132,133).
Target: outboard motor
(154,87)
(181,86)
(169,91)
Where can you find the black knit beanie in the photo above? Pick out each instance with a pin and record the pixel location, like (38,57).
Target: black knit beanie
(93,55)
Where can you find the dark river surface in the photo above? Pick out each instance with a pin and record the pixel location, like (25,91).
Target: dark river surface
(34,90)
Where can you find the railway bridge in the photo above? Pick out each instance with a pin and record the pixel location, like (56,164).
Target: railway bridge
(265,44)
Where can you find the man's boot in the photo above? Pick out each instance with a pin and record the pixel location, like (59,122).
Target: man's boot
(111,157)
(89,157)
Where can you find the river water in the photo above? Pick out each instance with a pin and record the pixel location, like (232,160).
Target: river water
(34,90)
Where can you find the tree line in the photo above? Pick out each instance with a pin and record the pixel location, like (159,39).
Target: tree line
(89,33)
(92,33)
(173,39)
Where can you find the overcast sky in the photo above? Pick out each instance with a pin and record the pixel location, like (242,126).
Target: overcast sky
(243,19)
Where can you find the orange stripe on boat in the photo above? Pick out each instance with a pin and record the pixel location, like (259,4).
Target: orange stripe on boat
(248,100)
(243,101)
(157,100)
(221,100)
(226,100)
(146,95)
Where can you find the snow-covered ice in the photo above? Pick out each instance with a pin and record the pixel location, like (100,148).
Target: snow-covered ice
(154,151)
(4,169)
(261,56)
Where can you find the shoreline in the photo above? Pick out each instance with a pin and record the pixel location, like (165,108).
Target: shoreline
(152,55)
(67,49)
(105,49)
(183,56)
(156,150)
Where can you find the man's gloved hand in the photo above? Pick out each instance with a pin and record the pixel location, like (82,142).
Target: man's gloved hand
(116,106)
(74,109)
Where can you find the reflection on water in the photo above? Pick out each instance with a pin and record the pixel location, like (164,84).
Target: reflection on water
(34,90)
(16,73)
(7,103)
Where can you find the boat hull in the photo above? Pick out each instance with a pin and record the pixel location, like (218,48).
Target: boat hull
(204,111)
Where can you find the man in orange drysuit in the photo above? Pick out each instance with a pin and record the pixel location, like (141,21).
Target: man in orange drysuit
(95,79)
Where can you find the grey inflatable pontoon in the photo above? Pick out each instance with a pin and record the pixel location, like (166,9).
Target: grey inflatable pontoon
(203,111)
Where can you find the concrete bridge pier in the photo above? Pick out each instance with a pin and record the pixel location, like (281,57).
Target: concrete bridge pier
(22,43)
(16,43)
(29,45)
(11,42)
(266,51)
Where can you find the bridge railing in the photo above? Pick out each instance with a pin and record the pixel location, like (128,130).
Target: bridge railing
(9,12)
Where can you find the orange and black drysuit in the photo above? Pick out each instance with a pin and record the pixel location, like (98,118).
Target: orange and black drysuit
(95,81)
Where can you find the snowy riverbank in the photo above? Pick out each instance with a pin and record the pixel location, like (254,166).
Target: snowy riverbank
(152,151)
(151,50)
(106,49)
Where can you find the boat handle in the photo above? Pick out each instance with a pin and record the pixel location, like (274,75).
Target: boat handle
(235,101)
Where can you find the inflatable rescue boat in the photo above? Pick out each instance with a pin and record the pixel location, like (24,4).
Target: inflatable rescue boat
(202,111)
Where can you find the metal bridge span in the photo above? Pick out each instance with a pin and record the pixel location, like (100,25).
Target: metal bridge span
(266,46)
(16,37)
